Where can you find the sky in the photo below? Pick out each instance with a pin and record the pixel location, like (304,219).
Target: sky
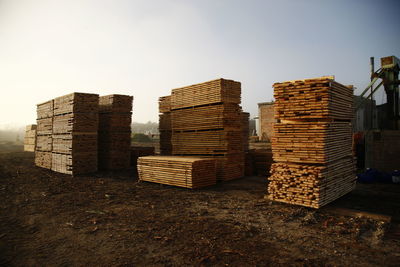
(143,48)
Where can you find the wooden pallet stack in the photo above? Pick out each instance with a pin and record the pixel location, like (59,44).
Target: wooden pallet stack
(44,131)
(30,138)
(165,129)
(312,142)
(115,118)
(75,124)
(188,172)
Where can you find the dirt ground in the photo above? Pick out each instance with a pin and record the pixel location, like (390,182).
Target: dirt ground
(51,219)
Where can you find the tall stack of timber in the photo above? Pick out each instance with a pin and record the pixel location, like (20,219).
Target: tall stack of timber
(207,120)
(74,135)
(30,138)
(312,142)
(44,131)
(188,172)
(75,125)
(115,118)
(165,129)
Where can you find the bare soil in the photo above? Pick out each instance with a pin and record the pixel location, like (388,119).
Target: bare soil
(111,219)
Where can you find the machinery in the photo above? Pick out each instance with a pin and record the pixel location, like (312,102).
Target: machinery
(389,76)
(382,146)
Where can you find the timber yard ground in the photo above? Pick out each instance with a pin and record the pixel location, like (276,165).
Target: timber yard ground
(111,219)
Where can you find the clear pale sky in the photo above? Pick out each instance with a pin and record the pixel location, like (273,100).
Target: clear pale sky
(145,48)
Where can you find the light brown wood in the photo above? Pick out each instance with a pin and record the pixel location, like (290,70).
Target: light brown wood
(215,91)
(189,172)
(206,120)
(312,142)
(67,134)
(30,138)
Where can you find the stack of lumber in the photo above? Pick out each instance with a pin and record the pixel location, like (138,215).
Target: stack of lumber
(164,103)
(311,185)
(215,91)
(317,98)
(74,134)
(30,138)
(182,171)
(312,142)
(165,127)
(115,118)
(245,116)
(44,130)
(207,120)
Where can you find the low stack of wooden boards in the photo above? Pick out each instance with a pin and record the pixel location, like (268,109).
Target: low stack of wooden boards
(188,172)
(312,142)
(75,125)
(115,118)
(44,131)
(30,138)
(164,125)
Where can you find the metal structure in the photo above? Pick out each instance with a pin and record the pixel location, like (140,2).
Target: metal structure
(389,76)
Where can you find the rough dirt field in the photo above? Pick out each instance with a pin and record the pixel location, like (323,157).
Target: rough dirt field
(51,219)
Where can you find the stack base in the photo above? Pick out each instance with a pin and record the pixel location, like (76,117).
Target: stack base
(311,185)
(188,172)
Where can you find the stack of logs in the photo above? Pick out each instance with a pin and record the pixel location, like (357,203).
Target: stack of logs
(30,138)
(44,131)
(312,142)
(206,120)
(115,118)
(75,125)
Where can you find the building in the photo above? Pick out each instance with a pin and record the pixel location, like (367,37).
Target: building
(265,121)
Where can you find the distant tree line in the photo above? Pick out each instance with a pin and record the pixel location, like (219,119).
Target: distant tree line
(145,128)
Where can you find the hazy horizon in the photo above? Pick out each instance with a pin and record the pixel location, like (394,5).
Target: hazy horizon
(49,48)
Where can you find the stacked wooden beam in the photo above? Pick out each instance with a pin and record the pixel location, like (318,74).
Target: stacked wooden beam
(74,134)
(312,142)
(207,120)
(44,131)
(165,127)
(30,138)
(188,172)
(215,91)
(313,99)
(115,118)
